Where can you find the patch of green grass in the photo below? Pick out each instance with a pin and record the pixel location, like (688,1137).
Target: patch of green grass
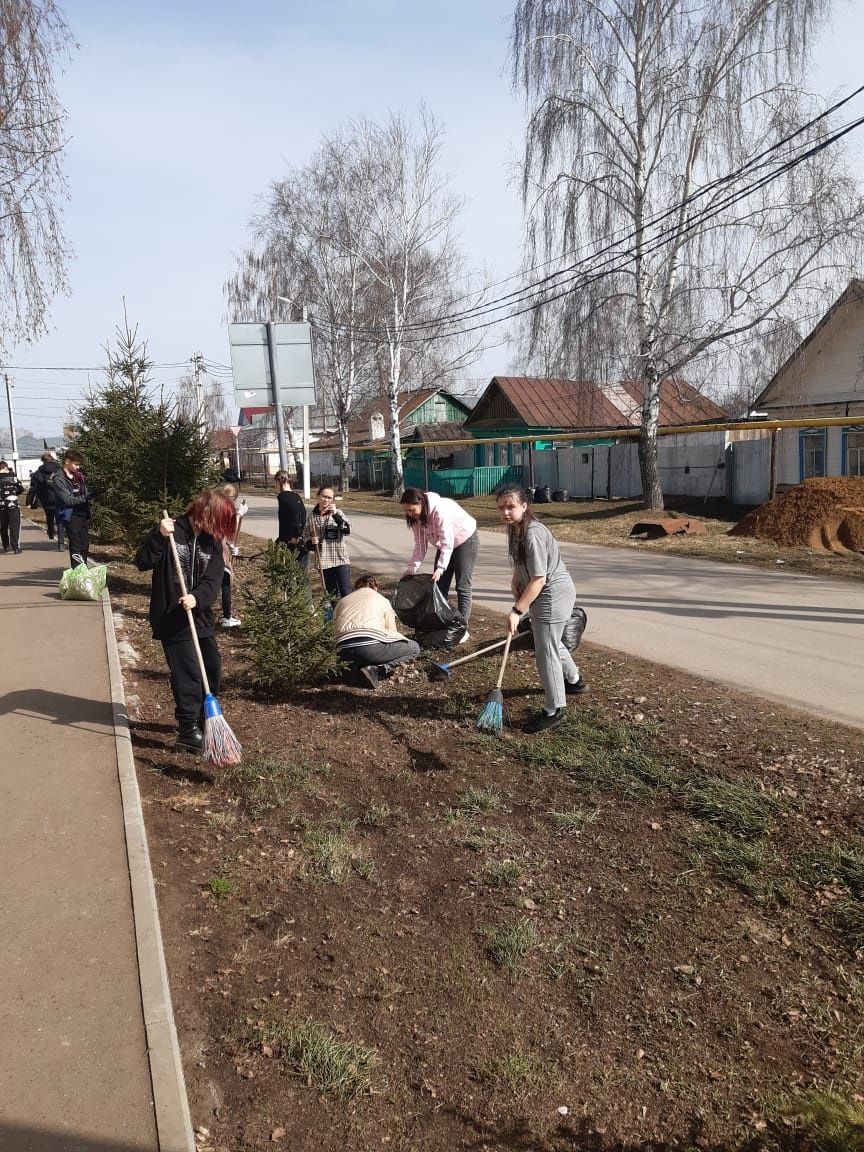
(573,821)
(263,782)
(830,1122)
(219,887)
(486,839)
(520,1073)
(377,815)
(731,806)
(315,1055)
(478,802)
(745,864)
(332,854)
(221,819)
(510,943)
(849,919)
(503,873)
(841,862)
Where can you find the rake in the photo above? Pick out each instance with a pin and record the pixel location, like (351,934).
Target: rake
(491,719)
(444,671)
(221,746)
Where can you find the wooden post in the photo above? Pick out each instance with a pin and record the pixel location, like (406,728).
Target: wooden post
(772,482)
(425,469)
(531,462)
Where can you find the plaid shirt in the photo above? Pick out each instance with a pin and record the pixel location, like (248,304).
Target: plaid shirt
(333,552)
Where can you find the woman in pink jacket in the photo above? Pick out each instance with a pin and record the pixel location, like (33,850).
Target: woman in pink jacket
(436,520)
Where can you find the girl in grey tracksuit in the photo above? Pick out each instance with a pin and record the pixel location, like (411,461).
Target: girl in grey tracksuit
(541,586)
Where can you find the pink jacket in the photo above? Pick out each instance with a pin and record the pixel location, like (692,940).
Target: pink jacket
(448,526)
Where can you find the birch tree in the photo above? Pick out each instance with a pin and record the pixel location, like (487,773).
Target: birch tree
(34,38)
(635,105)
(410,251)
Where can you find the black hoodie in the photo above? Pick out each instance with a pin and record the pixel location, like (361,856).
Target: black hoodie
(41,486)
(203,565)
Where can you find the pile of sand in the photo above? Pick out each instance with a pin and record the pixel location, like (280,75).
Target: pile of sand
(825,512)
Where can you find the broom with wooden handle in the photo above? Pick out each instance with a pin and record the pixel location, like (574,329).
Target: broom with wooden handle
(491,719)
(221,746)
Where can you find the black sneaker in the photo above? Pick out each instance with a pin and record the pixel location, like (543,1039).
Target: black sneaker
(575,689)
(190,738)
(369,676)
(543,721)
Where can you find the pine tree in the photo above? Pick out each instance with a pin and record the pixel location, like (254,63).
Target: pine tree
(292,643)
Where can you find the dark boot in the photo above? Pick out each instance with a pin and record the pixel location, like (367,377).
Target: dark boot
(190,738)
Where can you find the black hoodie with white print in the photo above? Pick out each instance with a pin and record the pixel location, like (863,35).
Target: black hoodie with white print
(203,566)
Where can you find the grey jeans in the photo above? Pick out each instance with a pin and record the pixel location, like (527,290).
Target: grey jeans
(462,567)
(378,652)
(554,662)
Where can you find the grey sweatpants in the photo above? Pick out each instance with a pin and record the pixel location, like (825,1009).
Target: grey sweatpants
(554,662)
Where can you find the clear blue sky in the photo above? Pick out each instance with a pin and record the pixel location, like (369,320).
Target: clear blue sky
(180,115)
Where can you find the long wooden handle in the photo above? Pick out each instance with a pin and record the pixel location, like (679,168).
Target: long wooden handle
(479,652)
(320,569)
(181,581)
(504,660)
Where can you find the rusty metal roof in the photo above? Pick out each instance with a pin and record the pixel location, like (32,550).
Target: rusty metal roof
(539,402)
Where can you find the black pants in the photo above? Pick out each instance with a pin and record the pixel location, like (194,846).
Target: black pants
(377,653)
(49,522)
(226,595)
(10,526)
(78,539)
(186,683)
(462,567)
(337,580)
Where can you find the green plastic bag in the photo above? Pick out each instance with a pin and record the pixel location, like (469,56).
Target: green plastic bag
(83,583)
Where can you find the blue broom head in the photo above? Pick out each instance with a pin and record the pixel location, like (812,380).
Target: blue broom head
(212,707)
(491,719)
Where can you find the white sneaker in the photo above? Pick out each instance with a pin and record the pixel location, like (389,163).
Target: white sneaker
(231,622)
(233,549)
(466,636)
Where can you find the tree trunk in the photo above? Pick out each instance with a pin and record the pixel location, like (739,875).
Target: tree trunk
(652,491)
(343,456)
(396,445)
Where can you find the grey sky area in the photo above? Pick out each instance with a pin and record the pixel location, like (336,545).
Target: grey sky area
(181,115)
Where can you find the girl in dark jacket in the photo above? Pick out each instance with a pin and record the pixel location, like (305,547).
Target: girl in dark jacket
(198,534)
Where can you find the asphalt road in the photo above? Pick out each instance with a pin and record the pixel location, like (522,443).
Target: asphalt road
(789,637)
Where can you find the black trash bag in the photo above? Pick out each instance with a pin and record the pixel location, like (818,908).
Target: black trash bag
(419,604)
(409,597)
(560,495)
(543,494)
(571,637)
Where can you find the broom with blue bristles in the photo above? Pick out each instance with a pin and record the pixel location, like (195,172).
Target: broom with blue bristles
(221,746)
(491,719)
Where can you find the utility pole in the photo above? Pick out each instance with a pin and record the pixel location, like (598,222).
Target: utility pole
(9,387)
(198,369)
(307,480)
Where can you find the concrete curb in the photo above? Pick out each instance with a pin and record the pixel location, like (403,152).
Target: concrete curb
(171,1106)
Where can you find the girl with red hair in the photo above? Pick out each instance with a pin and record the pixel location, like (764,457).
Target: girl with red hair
(198,534)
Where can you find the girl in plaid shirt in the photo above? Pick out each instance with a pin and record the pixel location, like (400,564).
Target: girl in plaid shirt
(327,528)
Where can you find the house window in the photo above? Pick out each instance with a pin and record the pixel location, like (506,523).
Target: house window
(490,455)
(517,455)
(853,453)
(811,450)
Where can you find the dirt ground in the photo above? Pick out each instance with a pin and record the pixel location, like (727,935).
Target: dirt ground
(388,930)
(608,523)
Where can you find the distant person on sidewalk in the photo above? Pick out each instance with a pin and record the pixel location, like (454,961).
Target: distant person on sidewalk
(42,494)
(241,508)
(73,505)
(292,516)
(10,512)
(542,587)
(367,638)
(437,520)
(229,551)
(199,534)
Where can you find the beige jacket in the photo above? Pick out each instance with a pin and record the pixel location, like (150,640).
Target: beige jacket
(367,613)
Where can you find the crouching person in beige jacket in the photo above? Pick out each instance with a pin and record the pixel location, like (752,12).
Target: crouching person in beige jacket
(367,638)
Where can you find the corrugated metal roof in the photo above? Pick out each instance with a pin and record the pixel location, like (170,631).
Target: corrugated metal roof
(576,405)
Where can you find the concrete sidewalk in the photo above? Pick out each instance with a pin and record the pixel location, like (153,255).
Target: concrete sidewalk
(75,1072)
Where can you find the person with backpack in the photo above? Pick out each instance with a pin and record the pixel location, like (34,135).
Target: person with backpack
(42,493)
(73,505)
(10,513)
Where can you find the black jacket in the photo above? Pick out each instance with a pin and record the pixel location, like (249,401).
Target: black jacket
(10,489)
(41,485)
(71,494)
(292,516)
(203,566)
